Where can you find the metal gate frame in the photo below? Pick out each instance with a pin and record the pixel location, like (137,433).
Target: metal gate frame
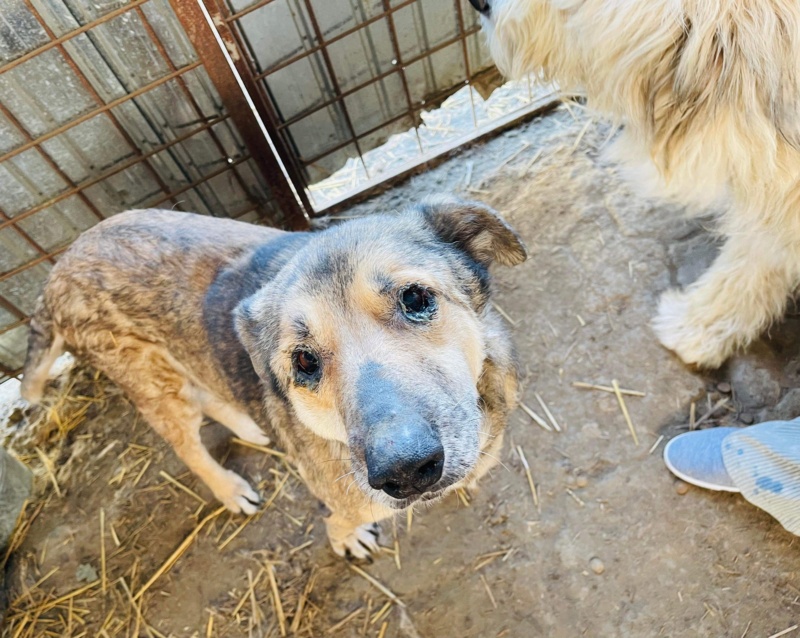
(235,102)
(222,50)
(225,24)
(251,116)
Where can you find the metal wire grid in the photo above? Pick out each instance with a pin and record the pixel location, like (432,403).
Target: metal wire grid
(128,119)
(357,138)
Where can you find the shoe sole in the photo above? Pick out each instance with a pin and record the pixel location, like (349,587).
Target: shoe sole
(691,479)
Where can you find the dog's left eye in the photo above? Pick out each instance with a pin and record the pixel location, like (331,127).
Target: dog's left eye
(417,303)
(307,367)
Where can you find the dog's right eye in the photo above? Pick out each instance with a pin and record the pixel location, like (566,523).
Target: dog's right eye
(307,368)
(417,303)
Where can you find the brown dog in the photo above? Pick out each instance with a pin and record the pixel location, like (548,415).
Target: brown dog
(369,350)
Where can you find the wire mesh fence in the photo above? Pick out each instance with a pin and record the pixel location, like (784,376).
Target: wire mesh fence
(104,107)
(229,108)
(342,76)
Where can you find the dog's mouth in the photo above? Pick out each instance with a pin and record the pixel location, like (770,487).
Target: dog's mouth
(434,493)
(408,501)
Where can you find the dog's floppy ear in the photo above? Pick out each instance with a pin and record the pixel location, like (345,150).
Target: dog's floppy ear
(476,229)
(253,333)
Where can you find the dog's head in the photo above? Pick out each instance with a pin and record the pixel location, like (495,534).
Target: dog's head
(373,333)
(524,36)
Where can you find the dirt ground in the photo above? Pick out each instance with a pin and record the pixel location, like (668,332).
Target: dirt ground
(672,564)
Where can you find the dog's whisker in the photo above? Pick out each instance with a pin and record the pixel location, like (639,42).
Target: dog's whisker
(345,474)
(333,461)
(491,456)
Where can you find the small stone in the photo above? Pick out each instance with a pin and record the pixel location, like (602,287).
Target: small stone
(581,480)
(746,418)
(755,387)
(787,409)
(596,565)
(724,387)
(681,487)
(86,572)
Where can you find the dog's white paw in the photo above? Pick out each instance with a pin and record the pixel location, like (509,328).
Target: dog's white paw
(254,434)
(692,336)
(236,494)
(361,543)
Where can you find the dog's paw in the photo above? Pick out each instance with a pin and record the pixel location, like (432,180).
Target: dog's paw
(255,436)
(361,543)
(245,428)
(236,494)
(691,335)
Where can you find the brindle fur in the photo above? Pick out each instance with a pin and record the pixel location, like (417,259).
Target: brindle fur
(194,316)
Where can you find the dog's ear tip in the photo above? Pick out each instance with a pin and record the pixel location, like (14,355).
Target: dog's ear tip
(517,255)
(512,258)
(477,228)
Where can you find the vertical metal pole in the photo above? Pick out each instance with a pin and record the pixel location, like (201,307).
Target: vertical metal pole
(191,15)
(264,104)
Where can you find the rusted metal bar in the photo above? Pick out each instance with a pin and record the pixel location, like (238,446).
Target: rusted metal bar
(433,98)
(68,36)
(4,303)
(11,308)
(398,56)
(213,58)
(341,145)
(48,160)
(42,252)
(333,39)
(6,371)
(187,91)
(335,100)
(462,32)
(45,256)
(33,262)
(107,107)
(197,182)
(117,168)
(23,318)
(253,7)
(194,184)
(262,100)
(333,79)
(99,100)
(382,76)
(16,324)
(233,35)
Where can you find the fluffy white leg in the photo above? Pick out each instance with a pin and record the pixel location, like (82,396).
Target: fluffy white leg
(730,305)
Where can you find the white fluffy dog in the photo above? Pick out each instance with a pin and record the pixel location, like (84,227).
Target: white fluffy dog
(709,95)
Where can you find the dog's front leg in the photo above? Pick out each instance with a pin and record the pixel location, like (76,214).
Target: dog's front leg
(352,521)
(351,517)
(730,305)
(349,539)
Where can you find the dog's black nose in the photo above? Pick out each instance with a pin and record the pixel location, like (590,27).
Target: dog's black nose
(406,463)
(403,452)
(481,5)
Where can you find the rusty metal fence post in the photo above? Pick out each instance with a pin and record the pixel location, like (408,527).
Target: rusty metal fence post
(288,191)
